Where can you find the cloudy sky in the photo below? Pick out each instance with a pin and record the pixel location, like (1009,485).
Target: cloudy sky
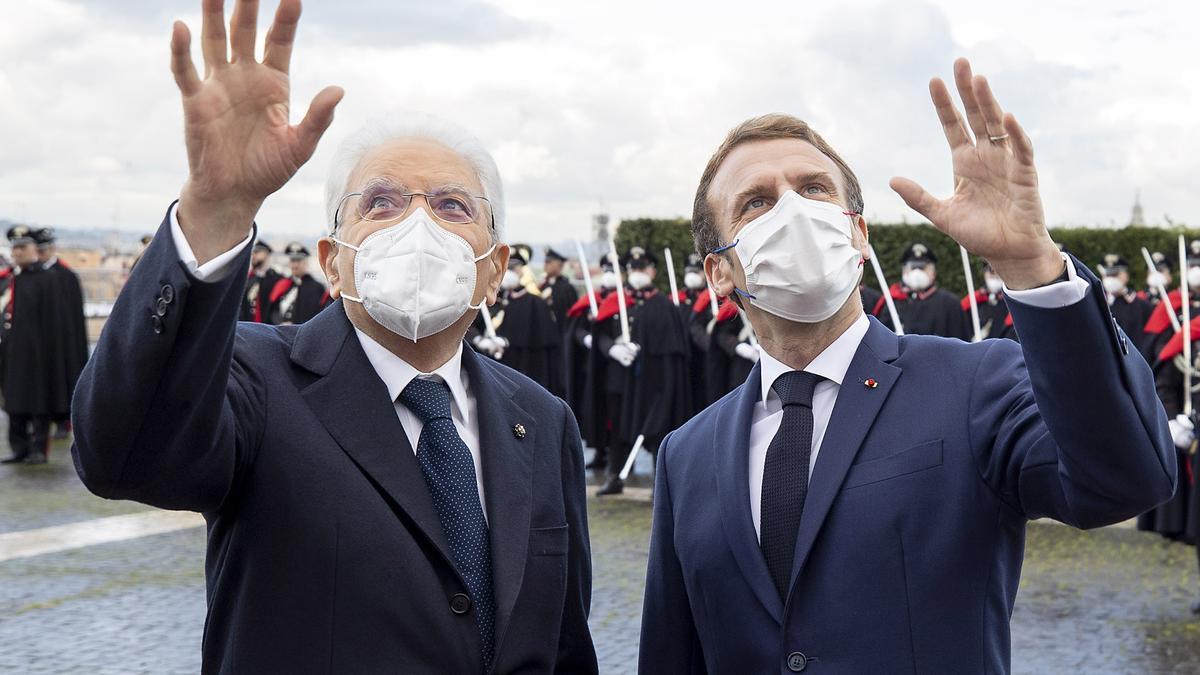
(615,106)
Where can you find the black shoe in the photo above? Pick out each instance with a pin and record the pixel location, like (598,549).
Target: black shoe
(36,458)
(15,459)
(614,486)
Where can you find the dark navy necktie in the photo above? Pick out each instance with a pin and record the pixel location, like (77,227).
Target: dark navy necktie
(450,471)
(785,476)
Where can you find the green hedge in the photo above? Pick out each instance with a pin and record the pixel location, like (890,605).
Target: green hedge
(1089,245)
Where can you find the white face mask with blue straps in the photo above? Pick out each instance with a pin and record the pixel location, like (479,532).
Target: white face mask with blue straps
(799,259)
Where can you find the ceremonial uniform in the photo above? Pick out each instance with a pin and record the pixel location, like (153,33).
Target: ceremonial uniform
(65,334)
(558,292)
(260,281)
(1179,518)
(30,396)
(1130,311)
(655,392)
(994,319)
(605,380)
(724,368)
(532,340)
(872,300)
(296,298)
(925,309)
(575,348)
(695,294)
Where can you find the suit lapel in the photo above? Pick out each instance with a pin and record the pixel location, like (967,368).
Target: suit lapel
(732,459)
(507,479)
(853,414)
(352,404)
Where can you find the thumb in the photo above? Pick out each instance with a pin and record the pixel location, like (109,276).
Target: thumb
(918,199)
(317,120)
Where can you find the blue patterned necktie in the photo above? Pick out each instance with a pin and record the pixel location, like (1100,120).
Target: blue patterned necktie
(785,476)
(450,471)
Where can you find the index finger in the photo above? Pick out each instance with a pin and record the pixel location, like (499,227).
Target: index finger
(952,122)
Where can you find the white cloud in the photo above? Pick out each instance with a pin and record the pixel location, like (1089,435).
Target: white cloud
(618,105)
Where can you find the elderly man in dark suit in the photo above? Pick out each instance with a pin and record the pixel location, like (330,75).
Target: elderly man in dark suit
(927,455)
(378,498)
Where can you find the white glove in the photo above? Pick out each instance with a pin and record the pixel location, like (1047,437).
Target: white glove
(486,345)
(623,353)
(746,351)
(1182,431)
(587,341)
(501,343)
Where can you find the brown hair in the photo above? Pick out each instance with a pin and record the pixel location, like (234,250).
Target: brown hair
(766,127)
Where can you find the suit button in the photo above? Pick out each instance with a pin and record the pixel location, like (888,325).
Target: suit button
(168,293)
(157,321)
(460,603)
(796,662)
(160,307)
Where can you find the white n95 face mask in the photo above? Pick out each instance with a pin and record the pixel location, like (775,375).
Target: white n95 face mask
(415,278)
(799,258)
(693,280)
(917,279)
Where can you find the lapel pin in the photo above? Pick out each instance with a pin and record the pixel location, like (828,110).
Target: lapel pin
(519,430)
(871,383)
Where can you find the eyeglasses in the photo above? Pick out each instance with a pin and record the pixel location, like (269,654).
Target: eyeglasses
(383,201)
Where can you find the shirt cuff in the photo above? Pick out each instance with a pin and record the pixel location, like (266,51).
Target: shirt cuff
(1053,296)
(214,270)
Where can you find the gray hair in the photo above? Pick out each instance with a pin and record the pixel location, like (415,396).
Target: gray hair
(408,124)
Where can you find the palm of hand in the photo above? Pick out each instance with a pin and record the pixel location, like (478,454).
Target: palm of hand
(238,136)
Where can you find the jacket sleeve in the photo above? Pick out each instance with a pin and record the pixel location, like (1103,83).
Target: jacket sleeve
(1067,424)
(576,652)
(164,413)
(669,643)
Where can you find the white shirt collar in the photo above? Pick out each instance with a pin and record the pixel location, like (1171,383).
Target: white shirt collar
(396,373)
(831,364)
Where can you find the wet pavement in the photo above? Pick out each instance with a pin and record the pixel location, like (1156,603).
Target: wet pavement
(1113,600)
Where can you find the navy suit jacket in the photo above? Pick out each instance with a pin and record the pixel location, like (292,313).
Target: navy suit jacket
(910,546)
(325,552)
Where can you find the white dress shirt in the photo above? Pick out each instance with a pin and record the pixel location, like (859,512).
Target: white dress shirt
(832,364)
(395,372)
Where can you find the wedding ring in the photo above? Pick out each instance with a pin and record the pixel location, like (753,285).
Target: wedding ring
(997,139)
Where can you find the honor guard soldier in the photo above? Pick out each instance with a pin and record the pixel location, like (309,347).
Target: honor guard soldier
(655,397)
(1130,311)
(529,339)
(872,300)
(994,319)
(730,355)
(1158,327)
(556,290)
(66,333)
(260,282)
(576,345)
(1162,276)
(29,394)
(924,308)
(297,297)
(1179,518)
(605,378)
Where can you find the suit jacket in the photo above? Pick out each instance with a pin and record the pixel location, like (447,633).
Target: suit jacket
(910,546)
(325,552)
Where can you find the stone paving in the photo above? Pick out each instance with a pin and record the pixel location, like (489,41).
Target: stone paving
(1114,600)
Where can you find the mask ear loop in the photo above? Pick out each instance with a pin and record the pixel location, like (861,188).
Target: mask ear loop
(482,302)
(352,247)
(722,249)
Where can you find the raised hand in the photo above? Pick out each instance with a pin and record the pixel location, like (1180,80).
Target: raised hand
(240,145)
(996,210)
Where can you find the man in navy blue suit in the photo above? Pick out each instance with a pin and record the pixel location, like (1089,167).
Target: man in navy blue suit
(859,504)
(378,498)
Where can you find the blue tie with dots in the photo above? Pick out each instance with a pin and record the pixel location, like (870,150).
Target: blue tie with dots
(785,476)
(450,471)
